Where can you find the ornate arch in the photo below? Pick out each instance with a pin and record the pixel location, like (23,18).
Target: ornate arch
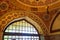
(52,22)
(10,16)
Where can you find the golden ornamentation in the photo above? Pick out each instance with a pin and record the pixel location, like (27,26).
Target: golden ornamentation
(38,1)
(39,4)
(3,6)
(8,17)
(46,17)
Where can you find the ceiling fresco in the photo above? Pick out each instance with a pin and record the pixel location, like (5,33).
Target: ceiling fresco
(3,6)
(37,2)
(32,5)
(44,9)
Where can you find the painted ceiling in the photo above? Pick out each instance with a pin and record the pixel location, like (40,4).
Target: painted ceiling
(37,2)
(44,9)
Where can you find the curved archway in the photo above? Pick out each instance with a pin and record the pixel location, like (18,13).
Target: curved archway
(54,22)
(8,17)
(21,30)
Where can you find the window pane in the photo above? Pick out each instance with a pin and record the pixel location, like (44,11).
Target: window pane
(21,27)
(21,38)
(25,28)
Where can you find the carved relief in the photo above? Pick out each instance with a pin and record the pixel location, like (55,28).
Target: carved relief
(3,6)
(37,2)
(16,14)
(46,17)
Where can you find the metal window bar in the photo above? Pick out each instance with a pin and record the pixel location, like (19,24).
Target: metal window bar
(21,28)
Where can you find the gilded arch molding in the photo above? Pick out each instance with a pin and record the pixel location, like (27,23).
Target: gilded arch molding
(40,5)
(9,16)
(52,22)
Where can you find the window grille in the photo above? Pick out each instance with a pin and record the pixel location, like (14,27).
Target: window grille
(21,30)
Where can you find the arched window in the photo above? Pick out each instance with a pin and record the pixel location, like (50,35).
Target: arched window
(21,30)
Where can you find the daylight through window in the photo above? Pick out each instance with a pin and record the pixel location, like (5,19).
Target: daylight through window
(20,30)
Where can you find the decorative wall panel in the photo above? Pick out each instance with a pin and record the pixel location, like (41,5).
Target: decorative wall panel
(8,17)
(55,26)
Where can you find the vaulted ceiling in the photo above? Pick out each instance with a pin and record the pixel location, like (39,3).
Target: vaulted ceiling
(47,10)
